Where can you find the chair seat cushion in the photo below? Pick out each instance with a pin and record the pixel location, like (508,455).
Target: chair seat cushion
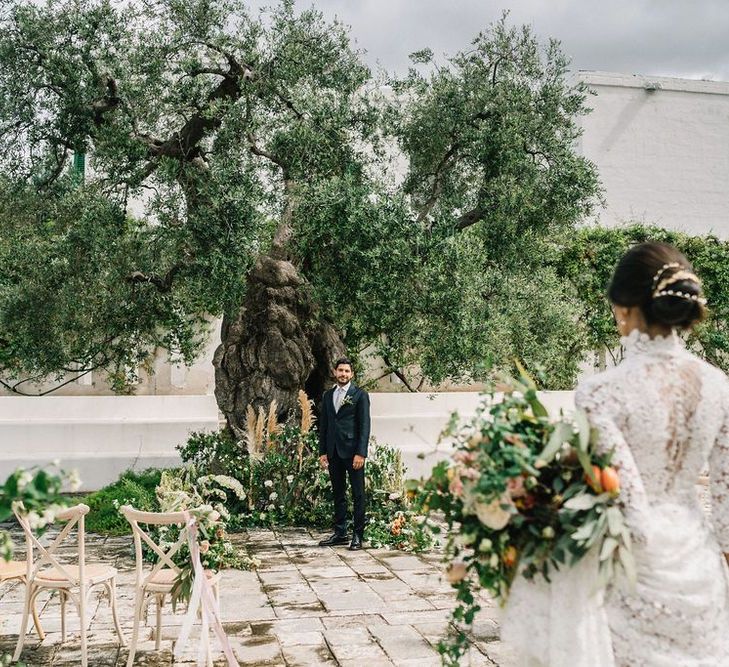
(94,574)
(12,569)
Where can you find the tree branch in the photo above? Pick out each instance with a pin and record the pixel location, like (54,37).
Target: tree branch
(162,283)
(469,218)
(399,374)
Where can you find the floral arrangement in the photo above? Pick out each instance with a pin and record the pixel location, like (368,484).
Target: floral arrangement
(522,496)
(37,493)
(205,498)
(277,465)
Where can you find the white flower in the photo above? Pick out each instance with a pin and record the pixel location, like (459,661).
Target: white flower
(56,462)
(494,560)
(548,532)
(492,515)
(485,545)
(268,483)
(466,539)
(49,515)
(395,495)
(273,496)
(263,516)
(271,507)
(34,520)
(289,478)
(74,481)
(24,479)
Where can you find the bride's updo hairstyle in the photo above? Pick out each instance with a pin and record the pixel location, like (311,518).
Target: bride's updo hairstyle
(661,282)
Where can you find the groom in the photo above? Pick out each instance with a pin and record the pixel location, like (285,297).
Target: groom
(344,432)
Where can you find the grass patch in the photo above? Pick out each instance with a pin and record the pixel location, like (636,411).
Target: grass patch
(132,488)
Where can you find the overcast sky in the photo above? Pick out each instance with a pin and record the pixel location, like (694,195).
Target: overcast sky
(687,38)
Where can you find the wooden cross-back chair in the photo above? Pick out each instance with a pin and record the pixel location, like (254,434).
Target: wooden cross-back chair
(16,570)
(71,581)
(156,584)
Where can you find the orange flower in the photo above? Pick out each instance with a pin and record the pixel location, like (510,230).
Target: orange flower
(610,480)
(594,481)
(509,556)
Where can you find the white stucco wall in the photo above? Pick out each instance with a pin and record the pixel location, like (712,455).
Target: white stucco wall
(101,436)
(661,146)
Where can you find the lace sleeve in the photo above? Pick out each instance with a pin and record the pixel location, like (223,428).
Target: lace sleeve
(719,475)
(602,411)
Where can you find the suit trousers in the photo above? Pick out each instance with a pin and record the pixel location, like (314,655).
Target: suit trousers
(339,469)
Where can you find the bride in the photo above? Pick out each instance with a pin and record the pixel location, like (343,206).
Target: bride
(665,412)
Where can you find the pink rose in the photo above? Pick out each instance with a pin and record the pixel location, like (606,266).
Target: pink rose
(456,572)
(515,487)
(456,486)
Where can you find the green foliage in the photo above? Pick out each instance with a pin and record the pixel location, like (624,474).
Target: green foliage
(226,126)
(287,487)
(132,488)
(37,493)
(587,260)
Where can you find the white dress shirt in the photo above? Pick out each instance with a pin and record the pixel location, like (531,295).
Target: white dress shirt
(339,394)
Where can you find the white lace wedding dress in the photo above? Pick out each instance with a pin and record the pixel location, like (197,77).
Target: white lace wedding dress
(666,413)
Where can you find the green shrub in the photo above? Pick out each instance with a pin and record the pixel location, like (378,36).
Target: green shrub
(285,486)
(132,488)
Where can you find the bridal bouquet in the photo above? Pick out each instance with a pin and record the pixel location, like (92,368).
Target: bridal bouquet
(523,496)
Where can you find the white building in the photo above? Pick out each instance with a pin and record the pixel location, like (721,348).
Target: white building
(661,146)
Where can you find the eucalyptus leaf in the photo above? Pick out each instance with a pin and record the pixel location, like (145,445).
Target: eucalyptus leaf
(583,427)
(584,501)
(615,521)
(562,433)
(608,547)
(628,563)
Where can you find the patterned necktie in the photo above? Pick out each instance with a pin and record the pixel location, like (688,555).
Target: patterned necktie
(338,402)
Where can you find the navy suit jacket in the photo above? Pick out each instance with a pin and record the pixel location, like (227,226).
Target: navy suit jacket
(346,431)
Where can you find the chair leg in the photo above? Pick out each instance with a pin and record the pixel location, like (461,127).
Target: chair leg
(23,623)
(82,620)
(112,602)
(138,604)
(62,595)
(158,628)
(36,618)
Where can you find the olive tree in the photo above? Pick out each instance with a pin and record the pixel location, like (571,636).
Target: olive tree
(251,166)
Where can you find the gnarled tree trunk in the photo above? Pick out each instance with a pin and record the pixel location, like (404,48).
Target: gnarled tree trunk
(274,346)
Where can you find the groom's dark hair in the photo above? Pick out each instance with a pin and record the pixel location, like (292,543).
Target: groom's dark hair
(344,361)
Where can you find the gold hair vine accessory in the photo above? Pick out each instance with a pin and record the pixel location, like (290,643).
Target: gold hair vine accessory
(662,270)
(660,289)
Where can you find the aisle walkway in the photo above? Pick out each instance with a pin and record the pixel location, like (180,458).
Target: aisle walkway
(305,606)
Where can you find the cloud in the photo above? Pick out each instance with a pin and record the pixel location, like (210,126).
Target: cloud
(666,37)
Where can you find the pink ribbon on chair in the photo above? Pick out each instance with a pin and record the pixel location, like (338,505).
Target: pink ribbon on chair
(202,593)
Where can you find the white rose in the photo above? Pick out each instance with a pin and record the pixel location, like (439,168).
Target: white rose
(395,496)
(24,479)
(485,545)
(268,483)
(492,515)
(289,478)
(34,520)
(74,481)
(494,560)
(273,496)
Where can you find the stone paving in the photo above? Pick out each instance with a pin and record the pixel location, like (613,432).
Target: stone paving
(305,605)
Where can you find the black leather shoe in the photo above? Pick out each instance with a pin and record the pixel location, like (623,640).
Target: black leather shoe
(334,540)
(356,543)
